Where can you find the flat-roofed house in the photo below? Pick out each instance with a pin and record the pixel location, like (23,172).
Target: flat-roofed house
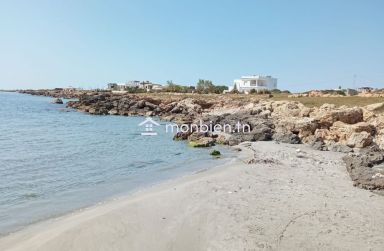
(257,82)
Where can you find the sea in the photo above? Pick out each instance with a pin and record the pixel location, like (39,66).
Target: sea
(55,160)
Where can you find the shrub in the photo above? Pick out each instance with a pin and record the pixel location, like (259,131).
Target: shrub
(275,91)
(215,153)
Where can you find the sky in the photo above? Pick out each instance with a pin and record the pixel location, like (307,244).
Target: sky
(305,44)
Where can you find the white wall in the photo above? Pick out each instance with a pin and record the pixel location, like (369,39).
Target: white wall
(262,83)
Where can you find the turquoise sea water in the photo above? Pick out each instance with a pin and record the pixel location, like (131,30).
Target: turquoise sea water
(54,160)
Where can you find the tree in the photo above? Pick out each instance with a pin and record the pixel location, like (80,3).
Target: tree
(275,91)
(234,90)
(171,87)
(220,89)
(205,86)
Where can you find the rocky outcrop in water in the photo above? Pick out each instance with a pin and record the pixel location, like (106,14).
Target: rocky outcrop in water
(68,93)
(57,101)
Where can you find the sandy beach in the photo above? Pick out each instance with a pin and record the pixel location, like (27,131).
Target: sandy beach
(282,199)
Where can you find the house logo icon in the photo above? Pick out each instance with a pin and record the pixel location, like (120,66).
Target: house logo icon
(149,123)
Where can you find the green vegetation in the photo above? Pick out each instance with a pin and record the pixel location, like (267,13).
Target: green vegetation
(135,90)
(193,144)
(349,101)
(206,86)
(254,91)
(215,153)
(171,87)
(203,87)
(235,91)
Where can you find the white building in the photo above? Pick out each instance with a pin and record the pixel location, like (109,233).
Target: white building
(124,87)
(256,82)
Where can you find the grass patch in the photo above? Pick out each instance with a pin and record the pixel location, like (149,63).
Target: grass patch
(349,101)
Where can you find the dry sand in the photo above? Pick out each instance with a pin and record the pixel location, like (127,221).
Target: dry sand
(285,200)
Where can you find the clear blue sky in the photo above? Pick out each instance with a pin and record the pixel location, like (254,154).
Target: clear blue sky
(305,44)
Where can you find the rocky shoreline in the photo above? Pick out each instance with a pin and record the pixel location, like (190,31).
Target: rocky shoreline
(356,131)
(55,93)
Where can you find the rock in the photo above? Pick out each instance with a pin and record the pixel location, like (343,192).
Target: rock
(140,104)
(322,134)
(305,112)
(223,138)
(287,108)
(374,107)
(359,139)
(265,114)
(92,111)
(337,147)
(305,126)
(368,115)
(113,112)
(150,105)
(181,135)
(57,101)
(379,139)
(348,116)
(343,133)
(195,136)
(289,138)
(237,138)
(262,133)
(318,145)
(364,170)
(327,107)
(203,142)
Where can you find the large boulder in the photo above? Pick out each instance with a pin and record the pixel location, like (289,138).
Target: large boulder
(359,140)
(303,127)
(287,137)
(203,142)
(287,109)
(337,147)
(181,135)
(356,135)
(375,107)
(347,115)
(57,101)
(237,138)
(223,138)
(195,136)
(379,139)
(365,168)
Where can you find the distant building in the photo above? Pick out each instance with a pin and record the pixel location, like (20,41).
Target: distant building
(123,87)
(365,89)
(157,87)
(112,86)
(256,82)
(70,89)
(351,92)
(134,83)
